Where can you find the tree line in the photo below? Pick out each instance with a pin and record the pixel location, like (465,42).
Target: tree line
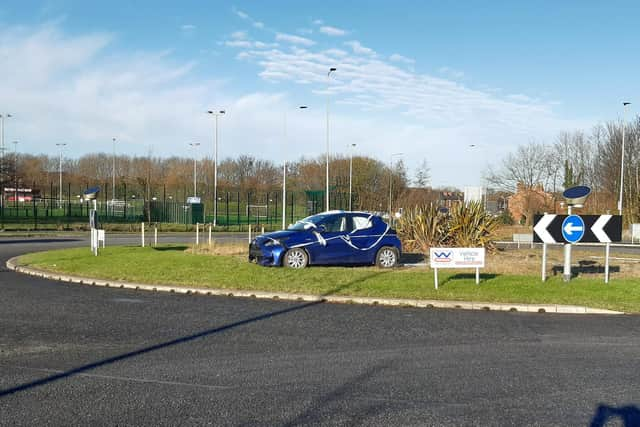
(150,176)
(592,158)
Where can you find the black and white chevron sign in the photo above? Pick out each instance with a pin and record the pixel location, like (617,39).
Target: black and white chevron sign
(597,228)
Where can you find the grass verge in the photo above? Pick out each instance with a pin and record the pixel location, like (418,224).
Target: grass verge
(175,265)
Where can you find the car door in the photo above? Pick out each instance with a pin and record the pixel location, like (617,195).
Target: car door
(333,247)
(363,238)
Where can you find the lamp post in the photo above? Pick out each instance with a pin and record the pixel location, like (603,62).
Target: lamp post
(61,146)
(15,167)
(215,164)
(194,145)
(624,110)
(390,183)
(2,147)
(331,70)
(353,146)
(113,171)
(284,172)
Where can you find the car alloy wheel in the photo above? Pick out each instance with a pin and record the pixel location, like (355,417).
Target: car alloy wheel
(387,258)
(296,258)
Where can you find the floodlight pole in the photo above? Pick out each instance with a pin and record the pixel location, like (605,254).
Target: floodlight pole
(215,164)
(351,174)
(61,145)
(624,110)
(332,69)
(390,183)
(113,171)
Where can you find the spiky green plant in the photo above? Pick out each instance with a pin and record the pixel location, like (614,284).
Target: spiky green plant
(422,227)
(470,225)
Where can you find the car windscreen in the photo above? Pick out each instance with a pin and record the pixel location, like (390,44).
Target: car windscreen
(312,221)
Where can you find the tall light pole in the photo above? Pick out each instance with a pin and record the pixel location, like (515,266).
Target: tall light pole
(113,171)
(2,146)
(331,70)
(215,164)
(284,172)
(15,167)
(61,146)
(624,110)
(353,146)
(390,183)
(194,145)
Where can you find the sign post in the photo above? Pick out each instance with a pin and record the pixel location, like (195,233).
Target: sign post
(91,194)
(456,258)
(570,229)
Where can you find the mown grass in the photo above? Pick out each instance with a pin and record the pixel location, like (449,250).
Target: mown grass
(173,265)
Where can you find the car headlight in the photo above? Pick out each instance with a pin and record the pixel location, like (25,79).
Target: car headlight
(274,242)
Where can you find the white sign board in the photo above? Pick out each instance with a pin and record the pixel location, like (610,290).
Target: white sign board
(635,232)
(456,258)
(473,194)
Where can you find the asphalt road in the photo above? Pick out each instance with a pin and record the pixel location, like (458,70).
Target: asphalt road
(79,355)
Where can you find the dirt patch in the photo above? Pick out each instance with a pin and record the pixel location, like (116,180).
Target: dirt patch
(584,262)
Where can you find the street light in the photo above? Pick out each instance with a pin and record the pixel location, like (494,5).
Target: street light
(284,172)
(61,146)
(2,147)
(331,70)
(15,167)
(194,145)
(351,172)
(113,171)
(390,182)
(624,110)
(215,164)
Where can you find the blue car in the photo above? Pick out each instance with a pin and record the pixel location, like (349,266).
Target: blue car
(329,238)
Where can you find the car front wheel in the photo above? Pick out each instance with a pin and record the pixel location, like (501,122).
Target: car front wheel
(296,258)
(387,257)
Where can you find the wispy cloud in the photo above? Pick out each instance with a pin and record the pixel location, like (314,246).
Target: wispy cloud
(290,38)
(77,87)
(359,49)
(451,73)
(187,28)
(239,35)
(399,58)
(332,31)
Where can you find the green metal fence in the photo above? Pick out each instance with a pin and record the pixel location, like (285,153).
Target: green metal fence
(234,210)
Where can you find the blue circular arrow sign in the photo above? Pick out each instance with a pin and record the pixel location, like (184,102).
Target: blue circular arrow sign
(573,228)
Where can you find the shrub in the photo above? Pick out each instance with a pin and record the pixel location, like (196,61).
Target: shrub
(466,225)
(422,227)
(470,225)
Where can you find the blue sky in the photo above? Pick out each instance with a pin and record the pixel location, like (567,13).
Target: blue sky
(423,78)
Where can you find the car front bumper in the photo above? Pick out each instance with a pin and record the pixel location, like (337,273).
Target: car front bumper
(266,256)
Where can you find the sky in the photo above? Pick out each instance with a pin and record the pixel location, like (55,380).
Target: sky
(458,84)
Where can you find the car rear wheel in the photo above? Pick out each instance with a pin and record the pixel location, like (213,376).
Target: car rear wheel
(387,257)
(296,258)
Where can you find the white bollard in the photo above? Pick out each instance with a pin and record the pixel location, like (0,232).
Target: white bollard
(210,235)
(155,236)
(142,234)
(262,230)
(249,233)
(197,233)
